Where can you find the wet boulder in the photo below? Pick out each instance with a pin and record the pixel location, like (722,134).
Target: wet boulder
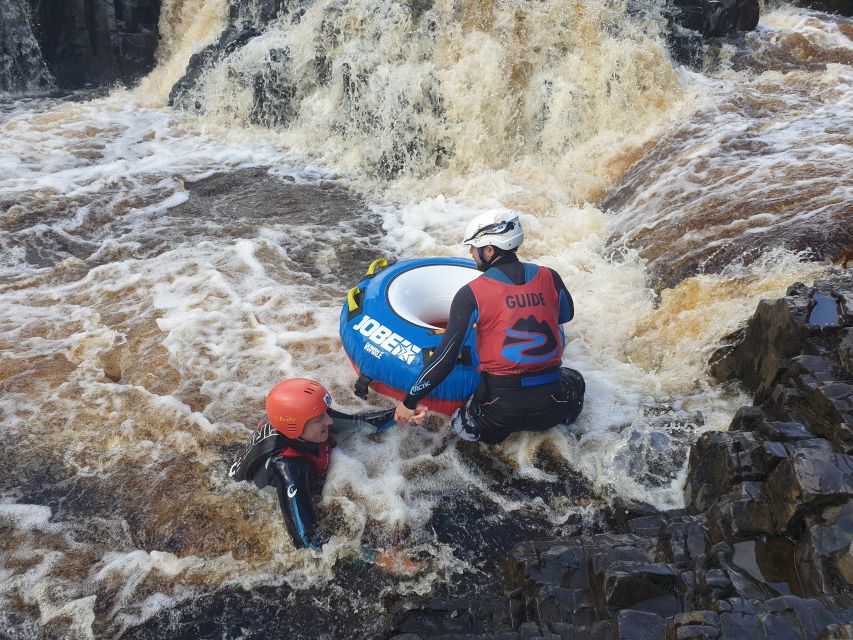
(623,574)
(837,632)
(644,585)
(812,392)
(807,482)
(556,563)
(807,321)
(557,605)
(824,555)
(432,617)
(683,541)
(742,513)
(717,461)
(638,625)
(757,354)
(693,624)
(691,22)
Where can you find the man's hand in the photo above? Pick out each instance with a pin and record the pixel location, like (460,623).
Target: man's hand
(395,561)
(404,415)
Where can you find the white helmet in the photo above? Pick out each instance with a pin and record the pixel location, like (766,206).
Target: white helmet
(500,228)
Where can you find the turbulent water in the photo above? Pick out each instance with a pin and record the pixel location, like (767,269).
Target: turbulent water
(160,270)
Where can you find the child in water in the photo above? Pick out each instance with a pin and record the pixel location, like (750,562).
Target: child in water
(291,451)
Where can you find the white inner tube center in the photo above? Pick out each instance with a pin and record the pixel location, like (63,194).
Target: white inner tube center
(423,295)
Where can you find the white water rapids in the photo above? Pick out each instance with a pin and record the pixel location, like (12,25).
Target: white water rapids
(161,270)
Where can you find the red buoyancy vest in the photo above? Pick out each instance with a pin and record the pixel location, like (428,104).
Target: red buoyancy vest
(517,325)
(320,462)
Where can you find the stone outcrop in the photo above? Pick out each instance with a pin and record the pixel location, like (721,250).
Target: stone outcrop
(794,355)
(22,67)
(694,22)
(764,549)
(841,7)
(96,42)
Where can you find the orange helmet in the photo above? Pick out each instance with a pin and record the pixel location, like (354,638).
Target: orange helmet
(292,403)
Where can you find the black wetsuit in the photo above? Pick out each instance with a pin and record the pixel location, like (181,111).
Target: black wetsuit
(501,405)
(296,469)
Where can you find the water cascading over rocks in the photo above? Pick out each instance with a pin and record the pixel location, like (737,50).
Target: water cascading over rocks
(158,269)
(398,76)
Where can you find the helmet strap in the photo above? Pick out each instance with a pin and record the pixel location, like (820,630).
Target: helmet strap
(487,264)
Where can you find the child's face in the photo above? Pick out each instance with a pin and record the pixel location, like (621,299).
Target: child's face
(317,429)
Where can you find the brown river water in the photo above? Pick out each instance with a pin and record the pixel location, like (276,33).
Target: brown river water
(161,270)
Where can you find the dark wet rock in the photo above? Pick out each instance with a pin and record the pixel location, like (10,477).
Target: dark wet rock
(692,22)
(638,625)
(759,354)
(845,352)
(97,42)
(620,513)
(627,584)
(807,481)
(682,542)
(823,556)
(559,563)
(812,616)
(22,67)
(693,624)
(811,392)
(460,617)
(837,632)
(841,7)
(558,605)
(479,529)
(655,453)
(744,512)
(647,526)
(718,460)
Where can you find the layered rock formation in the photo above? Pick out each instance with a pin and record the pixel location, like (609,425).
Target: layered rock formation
(763,549)
(97,42)
(81,42)
(22,67)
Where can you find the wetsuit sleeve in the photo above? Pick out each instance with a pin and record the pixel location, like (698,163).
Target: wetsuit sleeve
(291,478)
(345,422)
(567,305)
(458,325)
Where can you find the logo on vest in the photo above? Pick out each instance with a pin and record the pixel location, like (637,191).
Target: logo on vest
(530,341)
(383,337)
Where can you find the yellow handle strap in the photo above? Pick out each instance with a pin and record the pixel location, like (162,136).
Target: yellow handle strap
(351,303)
(376,265)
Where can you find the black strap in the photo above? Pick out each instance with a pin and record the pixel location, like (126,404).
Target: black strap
(361,386)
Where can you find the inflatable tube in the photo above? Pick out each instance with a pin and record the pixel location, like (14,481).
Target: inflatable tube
(392,322)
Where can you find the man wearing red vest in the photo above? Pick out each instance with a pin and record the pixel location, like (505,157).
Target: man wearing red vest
(518,309)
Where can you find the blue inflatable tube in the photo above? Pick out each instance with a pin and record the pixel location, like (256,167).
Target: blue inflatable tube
(393,320)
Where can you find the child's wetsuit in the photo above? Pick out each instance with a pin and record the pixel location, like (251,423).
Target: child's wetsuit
(296,469)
